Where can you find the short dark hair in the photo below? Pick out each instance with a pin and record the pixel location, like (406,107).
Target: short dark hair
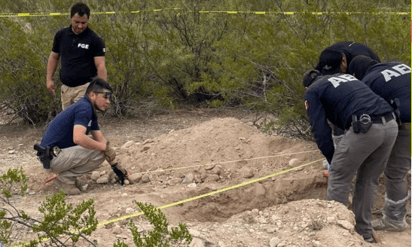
(309,77)
(360,65)
(97,85)
(81,9)
(330,61)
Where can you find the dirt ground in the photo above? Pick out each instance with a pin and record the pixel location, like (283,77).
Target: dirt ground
(188,153)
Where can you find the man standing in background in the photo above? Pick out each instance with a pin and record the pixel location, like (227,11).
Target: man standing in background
(82,54)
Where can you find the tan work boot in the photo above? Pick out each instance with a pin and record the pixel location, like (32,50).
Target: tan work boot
(69,189)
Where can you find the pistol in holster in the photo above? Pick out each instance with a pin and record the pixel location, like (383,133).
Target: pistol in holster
(395,103)
(45,155)
(362,124)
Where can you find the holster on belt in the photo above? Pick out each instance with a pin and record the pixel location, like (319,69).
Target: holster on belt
(45,155)
(395,103)
(361,125)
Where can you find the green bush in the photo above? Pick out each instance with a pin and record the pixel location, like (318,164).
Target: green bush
(181,54)
(62,224)
(160,235)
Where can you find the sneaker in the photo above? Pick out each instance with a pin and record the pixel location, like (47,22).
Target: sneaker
(69,189)
(81,185)
(370,240)
(386,224)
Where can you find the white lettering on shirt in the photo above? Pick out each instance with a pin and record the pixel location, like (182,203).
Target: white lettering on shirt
(83,46)
(401,68)
(341,78)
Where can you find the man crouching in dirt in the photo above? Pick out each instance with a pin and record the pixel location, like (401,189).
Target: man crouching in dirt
(77,153)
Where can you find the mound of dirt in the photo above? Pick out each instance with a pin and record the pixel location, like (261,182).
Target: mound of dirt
(271,200)
(224,147)
(225,142)
(299,223)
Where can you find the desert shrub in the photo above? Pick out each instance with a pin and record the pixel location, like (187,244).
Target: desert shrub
(61,224)
(160,235)
(176,53)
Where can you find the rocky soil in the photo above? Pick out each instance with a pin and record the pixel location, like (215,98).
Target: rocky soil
(275,195)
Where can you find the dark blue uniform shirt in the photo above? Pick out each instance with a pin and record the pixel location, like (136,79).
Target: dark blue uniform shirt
(390,81)
(60,130)
(351,50)
(77,54)
(336,98)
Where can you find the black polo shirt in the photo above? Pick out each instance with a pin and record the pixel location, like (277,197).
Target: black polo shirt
(77,54)
(335,98)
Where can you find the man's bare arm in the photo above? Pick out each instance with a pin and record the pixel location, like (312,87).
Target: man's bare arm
(51,69)
(80,138)
(100,63)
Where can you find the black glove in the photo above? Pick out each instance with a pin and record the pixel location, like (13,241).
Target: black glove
(120,172)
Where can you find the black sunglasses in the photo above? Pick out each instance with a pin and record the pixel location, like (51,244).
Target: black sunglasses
(106,95)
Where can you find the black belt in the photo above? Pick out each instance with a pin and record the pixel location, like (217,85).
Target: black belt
(376,119)
(379,119)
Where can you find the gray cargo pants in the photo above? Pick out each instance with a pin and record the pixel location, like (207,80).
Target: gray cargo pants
(399,164)
(75,161)
(366,154)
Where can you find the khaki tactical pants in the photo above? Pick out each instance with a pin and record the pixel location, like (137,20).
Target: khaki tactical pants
(75,161)
(70,95)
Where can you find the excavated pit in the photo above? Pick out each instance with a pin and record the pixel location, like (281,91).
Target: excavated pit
(215,155)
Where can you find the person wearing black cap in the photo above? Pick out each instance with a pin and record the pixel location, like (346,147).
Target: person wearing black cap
(392,81)
(370,132)
(337,57)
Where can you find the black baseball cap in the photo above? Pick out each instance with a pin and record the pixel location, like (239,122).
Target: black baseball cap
(330,61)
(309,77)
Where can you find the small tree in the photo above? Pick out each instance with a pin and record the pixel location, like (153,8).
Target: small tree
(160,235)
(62,223)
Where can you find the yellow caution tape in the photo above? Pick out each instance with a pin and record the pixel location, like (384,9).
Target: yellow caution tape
(125,217)
(4,15)
(227,162)
(208,194)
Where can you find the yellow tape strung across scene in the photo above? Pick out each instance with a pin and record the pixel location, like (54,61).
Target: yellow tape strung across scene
(209,194)
(5,15)
(226,162)
(204,195)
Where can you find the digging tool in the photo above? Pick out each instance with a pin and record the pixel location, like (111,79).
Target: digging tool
(50,179)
